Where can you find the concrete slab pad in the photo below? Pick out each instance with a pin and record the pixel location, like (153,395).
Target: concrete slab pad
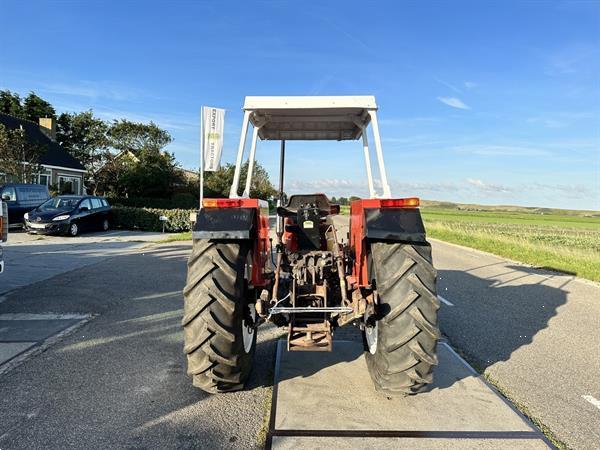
(10,350)
(296,443)
(325,399)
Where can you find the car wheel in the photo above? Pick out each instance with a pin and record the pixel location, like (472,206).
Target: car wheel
(73,229)
(105,225)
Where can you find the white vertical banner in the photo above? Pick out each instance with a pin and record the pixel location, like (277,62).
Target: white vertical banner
(213,122)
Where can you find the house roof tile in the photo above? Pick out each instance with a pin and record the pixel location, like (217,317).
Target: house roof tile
(55,155)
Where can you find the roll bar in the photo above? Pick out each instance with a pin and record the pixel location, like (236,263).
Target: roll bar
(310,118)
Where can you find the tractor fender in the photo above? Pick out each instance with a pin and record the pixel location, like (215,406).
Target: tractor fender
(394,224)
(225,223)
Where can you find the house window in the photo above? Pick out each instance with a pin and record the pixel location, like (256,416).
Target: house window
(4,178)
(43,178)
(69,185)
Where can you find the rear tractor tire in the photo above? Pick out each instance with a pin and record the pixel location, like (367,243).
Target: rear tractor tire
(219,338)
(401,339)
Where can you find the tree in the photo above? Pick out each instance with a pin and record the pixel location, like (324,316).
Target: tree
(218,183)
(109,179)
(35,107)
(10,103)
(353,198)
(125,135)
(84,137)
(18,156)
(154,175)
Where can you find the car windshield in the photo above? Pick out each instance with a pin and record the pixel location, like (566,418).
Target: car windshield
(59,203)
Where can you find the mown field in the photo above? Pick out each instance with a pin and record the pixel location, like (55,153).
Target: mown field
(563,240)
(566,241)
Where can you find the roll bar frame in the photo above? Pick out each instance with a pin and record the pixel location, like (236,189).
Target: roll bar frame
(370,116)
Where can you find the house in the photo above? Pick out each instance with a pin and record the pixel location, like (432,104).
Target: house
(58,166)
(191,176)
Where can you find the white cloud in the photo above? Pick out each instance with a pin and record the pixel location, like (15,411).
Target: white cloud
(488,187)
(474,182)
(448,85)
(572,59)
(91,90)
(466,190)
(568,190)
(171,122)
(500,150)
(547,122)
(470,84)
(453,102)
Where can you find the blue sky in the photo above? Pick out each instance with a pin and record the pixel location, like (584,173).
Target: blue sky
(486,102)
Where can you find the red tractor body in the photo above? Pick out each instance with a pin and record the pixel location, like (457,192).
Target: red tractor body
(310,280)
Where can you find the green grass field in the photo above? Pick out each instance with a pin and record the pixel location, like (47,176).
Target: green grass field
(562,240)
(566,241)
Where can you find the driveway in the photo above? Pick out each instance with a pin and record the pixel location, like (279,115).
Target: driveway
(32,258)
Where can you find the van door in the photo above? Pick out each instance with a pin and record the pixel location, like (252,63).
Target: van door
(9,197)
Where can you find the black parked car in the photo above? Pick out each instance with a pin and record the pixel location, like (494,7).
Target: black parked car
(69,214)
(22,198)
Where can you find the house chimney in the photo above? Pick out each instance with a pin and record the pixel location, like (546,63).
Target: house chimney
(48,126)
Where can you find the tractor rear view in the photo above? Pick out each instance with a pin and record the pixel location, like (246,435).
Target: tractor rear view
(309,278)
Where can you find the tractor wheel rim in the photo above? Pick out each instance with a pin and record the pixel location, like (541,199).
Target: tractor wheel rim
(371,337)
(249,318)
(248,329)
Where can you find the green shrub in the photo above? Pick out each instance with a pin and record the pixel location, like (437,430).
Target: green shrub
(178,201)
(148,219)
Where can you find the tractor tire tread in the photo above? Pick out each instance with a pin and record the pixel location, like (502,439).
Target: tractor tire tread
(408,329)
(213,311)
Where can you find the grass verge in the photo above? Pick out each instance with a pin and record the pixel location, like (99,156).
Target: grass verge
(261,436)
(567,250)
(185,236)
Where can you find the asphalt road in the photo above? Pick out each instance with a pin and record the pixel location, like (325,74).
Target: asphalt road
(119,381)
(534,332)
(32,258)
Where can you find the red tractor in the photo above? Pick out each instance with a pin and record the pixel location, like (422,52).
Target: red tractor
(381,280)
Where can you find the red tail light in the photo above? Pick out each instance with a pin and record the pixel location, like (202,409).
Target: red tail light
(222,203)
(411,202)
(3,223)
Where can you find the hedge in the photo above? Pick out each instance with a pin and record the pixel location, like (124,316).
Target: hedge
(178,201)
(148,219)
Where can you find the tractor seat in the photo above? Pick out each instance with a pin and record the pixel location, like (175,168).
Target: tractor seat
(297,202)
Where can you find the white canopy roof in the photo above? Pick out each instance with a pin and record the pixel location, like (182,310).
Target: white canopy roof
(310,117)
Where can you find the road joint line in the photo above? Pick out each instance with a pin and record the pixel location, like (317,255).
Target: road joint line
(444,301)
(592,400)
(43,344)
